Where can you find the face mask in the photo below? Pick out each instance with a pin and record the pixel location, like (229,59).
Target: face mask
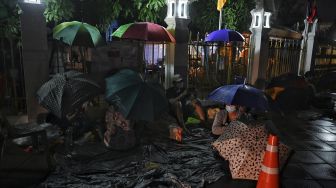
(230,108)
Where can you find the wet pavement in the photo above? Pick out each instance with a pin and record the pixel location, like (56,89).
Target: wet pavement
(313,164)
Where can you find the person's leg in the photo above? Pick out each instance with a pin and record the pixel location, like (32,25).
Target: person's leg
(178,112)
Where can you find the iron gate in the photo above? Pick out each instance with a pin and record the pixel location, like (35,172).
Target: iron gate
(283,57)
(213,64)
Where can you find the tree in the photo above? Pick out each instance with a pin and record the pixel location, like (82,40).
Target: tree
(236,15)
(130,11)
(10,31)
(58,10)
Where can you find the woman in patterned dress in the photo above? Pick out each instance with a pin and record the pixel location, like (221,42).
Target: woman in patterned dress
(119,134)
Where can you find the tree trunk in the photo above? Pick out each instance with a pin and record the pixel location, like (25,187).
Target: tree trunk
(4,65)
(13,71)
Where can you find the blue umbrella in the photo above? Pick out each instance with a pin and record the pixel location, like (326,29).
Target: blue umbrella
(240,95)
(224,35)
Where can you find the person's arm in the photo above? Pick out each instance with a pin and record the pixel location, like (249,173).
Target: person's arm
(219,122)
(184,93)
(110,131)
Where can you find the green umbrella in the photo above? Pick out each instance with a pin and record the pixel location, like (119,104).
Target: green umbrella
(78,34)
(137,99)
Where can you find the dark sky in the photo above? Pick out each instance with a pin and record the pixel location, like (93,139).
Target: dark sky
(288,12)
(285,12)
(326,10)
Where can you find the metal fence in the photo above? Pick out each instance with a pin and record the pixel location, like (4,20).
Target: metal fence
(324,59)
(213,64)
(283,57)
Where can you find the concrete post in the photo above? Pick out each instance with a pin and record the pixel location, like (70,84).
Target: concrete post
(34,51)
(177,54)
(307,46)
(259,44)
(310,46)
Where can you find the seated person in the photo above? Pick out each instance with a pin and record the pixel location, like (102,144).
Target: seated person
(177,99)
(119,134)
(223,118)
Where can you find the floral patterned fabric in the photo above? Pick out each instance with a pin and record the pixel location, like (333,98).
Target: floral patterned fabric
(244,147)
(119,133)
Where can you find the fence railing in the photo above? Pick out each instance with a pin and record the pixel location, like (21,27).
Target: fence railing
(283,57)
(213,64)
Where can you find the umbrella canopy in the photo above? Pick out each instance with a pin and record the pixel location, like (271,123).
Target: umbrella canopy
(224,35)
(240,94)
(290,91)
(288,80)
(78,34)
(327,81)
(144,31)
(139,100)
(244,147)
(65,92)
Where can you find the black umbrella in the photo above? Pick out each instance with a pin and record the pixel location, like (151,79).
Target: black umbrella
(288,80)
(289,91)
(63,93)
(327,81)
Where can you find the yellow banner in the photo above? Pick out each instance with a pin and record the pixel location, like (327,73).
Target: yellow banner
(220,4)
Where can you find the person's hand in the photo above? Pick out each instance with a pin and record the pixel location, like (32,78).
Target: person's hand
(185,92)
(125,126)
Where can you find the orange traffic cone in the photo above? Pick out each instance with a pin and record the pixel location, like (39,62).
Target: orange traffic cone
(269,175)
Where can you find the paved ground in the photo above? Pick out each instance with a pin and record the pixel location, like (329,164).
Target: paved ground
(314,162)
(312,165)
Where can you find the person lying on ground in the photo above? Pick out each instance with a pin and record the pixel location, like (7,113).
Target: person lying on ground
(119,134)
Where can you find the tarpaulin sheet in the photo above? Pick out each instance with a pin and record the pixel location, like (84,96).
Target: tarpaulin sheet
(163,163)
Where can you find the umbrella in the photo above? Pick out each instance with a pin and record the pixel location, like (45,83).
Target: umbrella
(139,100)
(244,147)
(144,31)
(288,80)
(63,93)
(78,34)
(224,35)
(327,81)
(240,94)
(289,91)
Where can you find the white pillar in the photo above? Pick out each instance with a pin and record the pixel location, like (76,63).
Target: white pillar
(303,46)
(177,54)
(259,44)
(310,46)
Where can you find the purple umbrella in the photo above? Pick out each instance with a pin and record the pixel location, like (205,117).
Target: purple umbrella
(224,35)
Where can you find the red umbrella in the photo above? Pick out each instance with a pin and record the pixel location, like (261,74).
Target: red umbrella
(144,31)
